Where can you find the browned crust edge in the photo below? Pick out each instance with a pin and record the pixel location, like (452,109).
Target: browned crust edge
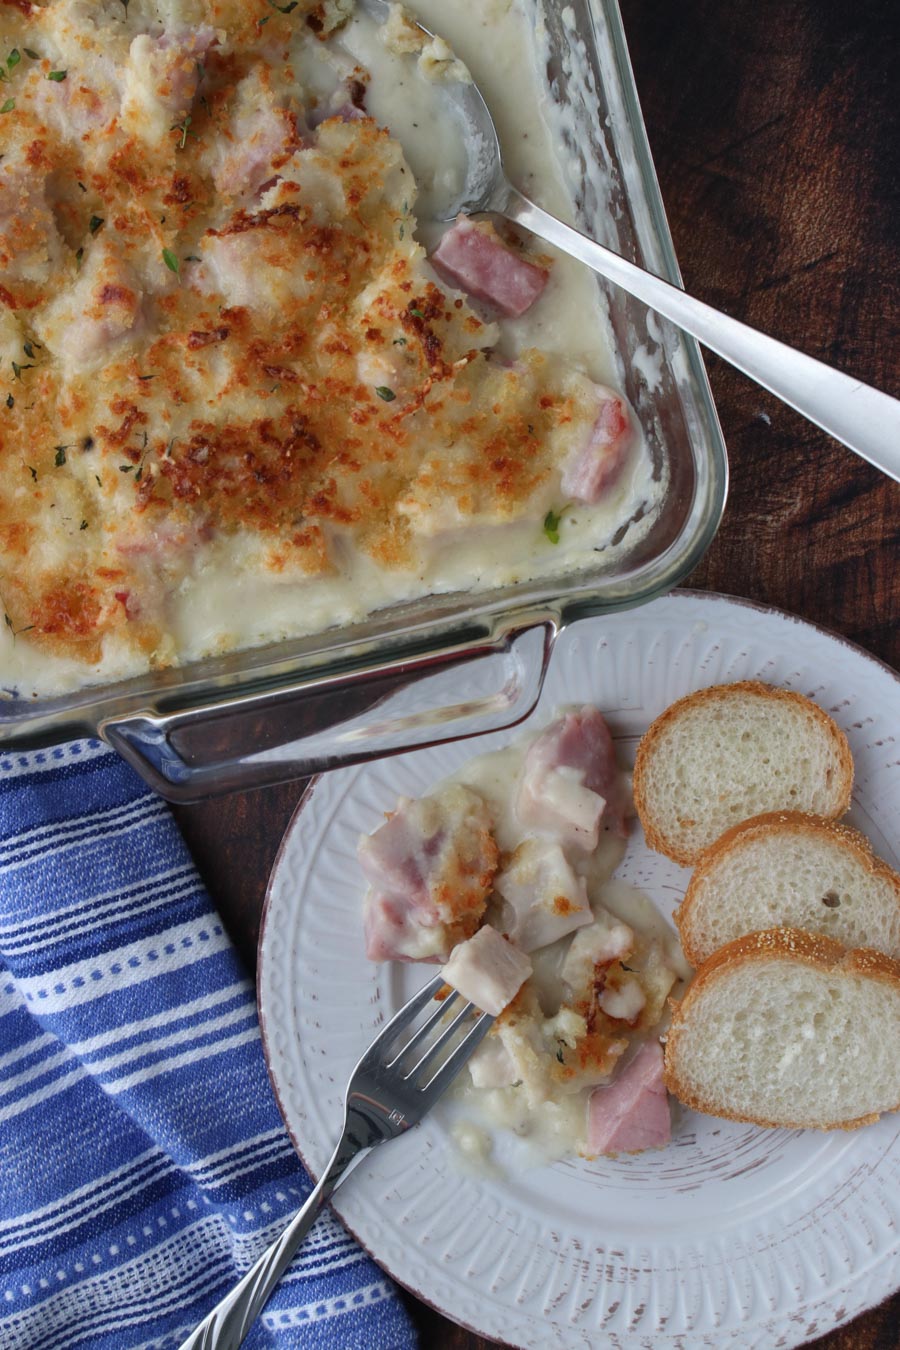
(769,823)
(792,944)
(649,743)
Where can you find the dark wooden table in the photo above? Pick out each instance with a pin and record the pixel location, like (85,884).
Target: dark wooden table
(774,129)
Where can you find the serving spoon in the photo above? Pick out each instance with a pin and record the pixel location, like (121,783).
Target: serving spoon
(864,419)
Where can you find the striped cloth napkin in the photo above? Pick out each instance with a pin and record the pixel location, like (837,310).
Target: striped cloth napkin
(143,1163)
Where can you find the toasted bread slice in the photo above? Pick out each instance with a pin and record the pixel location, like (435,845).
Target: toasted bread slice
(795,871)
(785,1028)
(733,751)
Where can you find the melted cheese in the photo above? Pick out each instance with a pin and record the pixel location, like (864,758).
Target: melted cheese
(237,404)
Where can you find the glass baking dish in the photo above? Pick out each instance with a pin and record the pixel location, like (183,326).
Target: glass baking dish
(454,665)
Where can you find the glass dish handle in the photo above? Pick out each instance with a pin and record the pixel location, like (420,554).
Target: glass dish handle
(323,722)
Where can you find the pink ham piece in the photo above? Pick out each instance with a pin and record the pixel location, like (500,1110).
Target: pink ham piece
(596,466)
(177,59)
(487,970)
(633,1112)
(570,781)
(475,259)
(430,867)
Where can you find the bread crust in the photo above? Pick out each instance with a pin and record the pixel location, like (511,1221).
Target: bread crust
(650,742)
(792,944)
(769,823)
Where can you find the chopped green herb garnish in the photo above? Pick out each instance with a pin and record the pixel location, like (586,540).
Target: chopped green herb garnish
(10,401)
(8,105)
(126,468)
(78,257)
(284,9)
(83,525)
(57,75)
(170,260)
(146,377)
(192,257)
(631,970)
(17,369)
(387,394)
(33,473)
(13,59)
(559,1054)
(97,480)
(551,526)
(401,231)
(399,342)
(28,350)
(83,188)
(32,56)
(94,223)
(61,455)
(417,313)
(185,129)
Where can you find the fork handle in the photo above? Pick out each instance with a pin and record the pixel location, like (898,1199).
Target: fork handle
(863,418)
(226,1326)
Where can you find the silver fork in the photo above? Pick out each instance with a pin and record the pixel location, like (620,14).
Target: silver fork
(396,1083)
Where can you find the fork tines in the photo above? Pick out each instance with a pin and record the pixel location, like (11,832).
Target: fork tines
(437,1047)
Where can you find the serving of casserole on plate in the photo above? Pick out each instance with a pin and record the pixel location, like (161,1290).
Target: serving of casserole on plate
(252,398)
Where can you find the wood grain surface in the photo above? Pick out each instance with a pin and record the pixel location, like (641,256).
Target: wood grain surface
(774,127)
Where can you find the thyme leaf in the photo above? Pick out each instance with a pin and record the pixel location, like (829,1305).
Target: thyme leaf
(384,393)
(171,261)
(551,525)
(57,75)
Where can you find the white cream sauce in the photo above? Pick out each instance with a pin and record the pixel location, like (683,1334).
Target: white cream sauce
(227,602)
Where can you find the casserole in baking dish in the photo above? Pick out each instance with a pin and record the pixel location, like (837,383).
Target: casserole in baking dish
(453,526)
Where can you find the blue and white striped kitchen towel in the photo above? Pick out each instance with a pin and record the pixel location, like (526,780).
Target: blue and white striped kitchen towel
(143,1163)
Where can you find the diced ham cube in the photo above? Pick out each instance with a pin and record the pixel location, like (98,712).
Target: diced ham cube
(475,259)
(604,941)
(633,1112)
(570,780)
(487,970)
(262,136)
(30,244)
(87,324)
(543,897)
(597,465)
(430,867)
(175,60)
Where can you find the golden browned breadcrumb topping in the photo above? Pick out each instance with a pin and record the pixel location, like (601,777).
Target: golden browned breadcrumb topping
(216,321)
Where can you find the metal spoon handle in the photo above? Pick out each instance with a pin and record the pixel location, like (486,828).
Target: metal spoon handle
(865,419)
(230,1320)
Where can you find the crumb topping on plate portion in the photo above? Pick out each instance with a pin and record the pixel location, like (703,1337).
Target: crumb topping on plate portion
(222,344)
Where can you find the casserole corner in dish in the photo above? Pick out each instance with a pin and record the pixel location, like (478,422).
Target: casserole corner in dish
(151,378)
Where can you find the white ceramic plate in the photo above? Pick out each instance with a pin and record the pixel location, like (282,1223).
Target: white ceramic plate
(732,1236)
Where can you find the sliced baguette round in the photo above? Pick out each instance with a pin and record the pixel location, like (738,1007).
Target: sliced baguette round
(786,869)
(733,751)
(785,1028)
